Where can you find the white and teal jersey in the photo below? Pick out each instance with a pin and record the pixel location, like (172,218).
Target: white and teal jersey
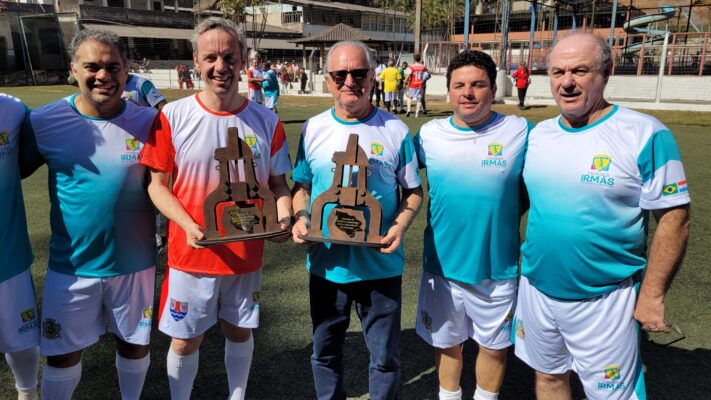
(141,91)
(391,163)
(474,179)
(590,190)
(16,255)
(102,220)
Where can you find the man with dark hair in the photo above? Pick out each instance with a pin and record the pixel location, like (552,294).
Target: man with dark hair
(102,251)
(342,275)
(588,281)
(468,286)
(523,79)
(19,321)
(220,282)
(414,77)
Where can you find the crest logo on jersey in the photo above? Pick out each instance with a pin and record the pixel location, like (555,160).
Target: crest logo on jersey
(251,140)
(601,162)
(675,188)
(376,149)
(147,313)
(178,309)
(495,153)
(4,138)
(611,380)
(133,145)
(29,321)
(599,171)
(496,149)
(51,329)
(27,315)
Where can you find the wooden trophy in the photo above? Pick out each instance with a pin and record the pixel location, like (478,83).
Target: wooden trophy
(346,222)
(242,220)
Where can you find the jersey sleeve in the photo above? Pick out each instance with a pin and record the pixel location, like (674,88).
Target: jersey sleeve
(663,178)
(407,173)
(29,156)
(420,151)
(302,170)
(151,94)
(279,157)
(158,153)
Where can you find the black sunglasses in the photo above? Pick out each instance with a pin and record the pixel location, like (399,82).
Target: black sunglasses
(340,76)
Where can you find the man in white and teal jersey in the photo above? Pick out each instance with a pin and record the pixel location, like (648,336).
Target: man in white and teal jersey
(141,91)
(474,161)
(593,174)
(102,250)
(19,322)
(341,275)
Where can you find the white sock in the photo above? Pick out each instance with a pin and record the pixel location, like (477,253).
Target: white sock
(417,109)
(132,374)
(409,104)
(59,383)
(481,394)
(181,374)
(445,394)
(25,365)
(238,360)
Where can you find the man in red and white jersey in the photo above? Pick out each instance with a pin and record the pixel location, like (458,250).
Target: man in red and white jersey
(221,282)
(414,78)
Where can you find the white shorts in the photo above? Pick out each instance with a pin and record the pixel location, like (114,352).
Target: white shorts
(76,310)
(271,102)
(19,321)
(192,303)
(414,93)
(449,312)
(389,96)
(597,338)
(256,95)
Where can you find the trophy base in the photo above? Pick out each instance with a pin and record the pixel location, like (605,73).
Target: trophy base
(344,242)
(240,238)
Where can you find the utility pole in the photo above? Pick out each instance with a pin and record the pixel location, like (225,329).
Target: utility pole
(466,25)
(501,74)
(418,24)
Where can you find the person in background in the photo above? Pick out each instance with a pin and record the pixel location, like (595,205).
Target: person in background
(523,79)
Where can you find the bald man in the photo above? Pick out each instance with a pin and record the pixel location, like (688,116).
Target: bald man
(588,280)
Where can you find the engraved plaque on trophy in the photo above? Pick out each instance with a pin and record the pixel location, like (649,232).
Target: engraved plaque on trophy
(346,222)
(241,219)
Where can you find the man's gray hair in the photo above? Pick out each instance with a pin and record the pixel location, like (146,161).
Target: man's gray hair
(107,38)
(211,23)
(352,43)
(604,56)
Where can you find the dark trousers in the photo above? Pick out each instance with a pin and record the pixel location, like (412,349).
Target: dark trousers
(377,89)
(378,305)
(521,96)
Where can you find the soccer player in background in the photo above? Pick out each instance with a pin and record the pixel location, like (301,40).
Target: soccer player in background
(102,250)
(474,161)
(19,322)
(221,282)
(414,78)
(588,280)
(390,77)
(341,275)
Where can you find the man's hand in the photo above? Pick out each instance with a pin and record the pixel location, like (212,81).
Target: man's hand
(650,314)
(300,229)
(392,238)
(284,225)
(194,233)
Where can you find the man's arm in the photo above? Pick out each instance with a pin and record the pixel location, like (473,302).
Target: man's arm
(665,256)
(301,197)
(168,205)
(278,186)
(407,210)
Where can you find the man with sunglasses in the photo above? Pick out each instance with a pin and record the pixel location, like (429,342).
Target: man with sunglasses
(341,275)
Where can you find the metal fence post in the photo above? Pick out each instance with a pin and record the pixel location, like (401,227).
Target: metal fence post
(662,63)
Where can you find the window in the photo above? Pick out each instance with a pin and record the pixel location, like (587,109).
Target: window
(158,6)
(115,3)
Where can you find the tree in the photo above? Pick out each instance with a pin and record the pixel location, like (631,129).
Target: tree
(437,15)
